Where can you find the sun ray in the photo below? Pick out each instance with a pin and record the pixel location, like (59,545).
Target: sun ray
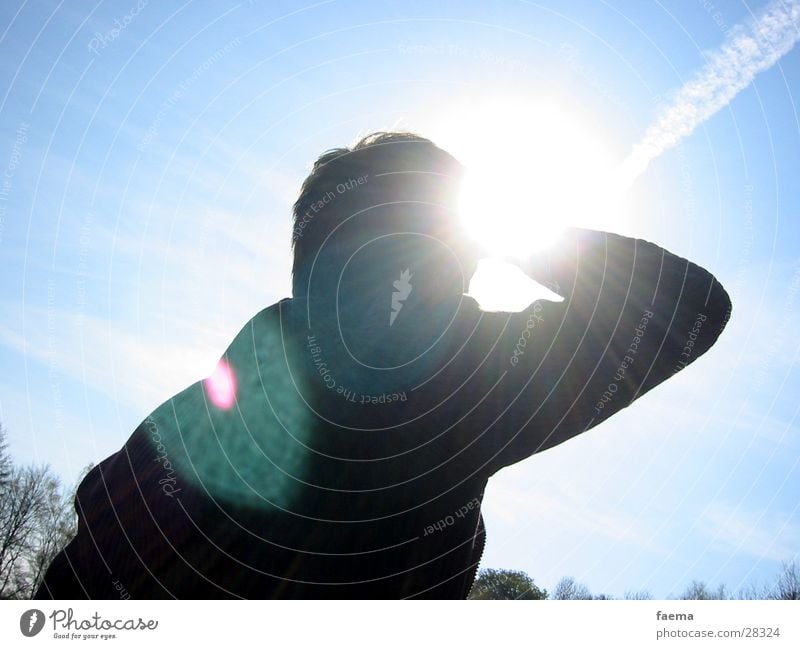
(533,167)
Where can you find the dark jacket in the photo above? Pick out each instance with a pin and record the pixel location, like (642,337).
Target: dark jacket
(354,457)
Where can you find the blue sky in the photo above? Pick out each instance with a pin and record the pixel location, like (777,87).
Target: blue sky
(146,179)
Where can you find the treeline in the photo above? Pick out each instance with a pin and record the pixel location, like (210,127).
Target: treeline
(514,584)
(37,520)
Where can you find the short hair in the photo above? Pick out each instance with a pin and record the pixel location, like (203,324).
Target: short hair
(392,165)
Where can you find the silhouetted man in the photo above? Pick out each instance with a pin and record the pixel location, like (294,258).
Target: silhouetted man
(342,446)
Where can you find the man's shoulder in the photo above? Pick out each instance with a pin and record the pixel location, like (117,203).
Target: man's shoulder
(269,317)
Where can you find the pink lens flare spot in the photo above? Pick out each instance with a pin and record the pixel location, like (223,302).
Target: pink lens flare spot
(221,386)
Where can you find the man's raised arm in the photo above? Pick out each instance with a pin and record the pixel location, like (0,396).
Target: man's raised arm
(633,315)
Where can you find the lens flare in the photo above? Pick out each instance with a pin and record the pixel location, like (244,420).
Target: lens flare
(221,386)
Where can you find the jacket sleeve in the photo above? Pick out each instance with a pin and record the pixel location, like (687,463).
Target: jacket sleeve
(633,315)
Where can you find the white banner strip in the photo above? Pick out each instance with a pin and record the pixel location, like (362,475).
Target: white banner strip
(386,625)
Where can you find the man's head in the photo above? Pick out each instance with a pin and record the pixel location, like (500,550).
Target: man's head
(383,189)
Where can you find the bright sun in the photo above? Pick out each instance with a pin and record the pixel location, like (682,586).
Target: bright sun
(533,167)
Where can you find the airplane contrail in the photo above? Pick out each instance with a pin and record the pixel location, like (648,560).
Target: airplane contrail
(749,49)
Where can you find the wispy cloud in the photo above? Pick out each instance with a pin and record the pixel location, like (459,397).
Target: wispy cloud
(133,367)
(185,302)
(769,534)
(751,48)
